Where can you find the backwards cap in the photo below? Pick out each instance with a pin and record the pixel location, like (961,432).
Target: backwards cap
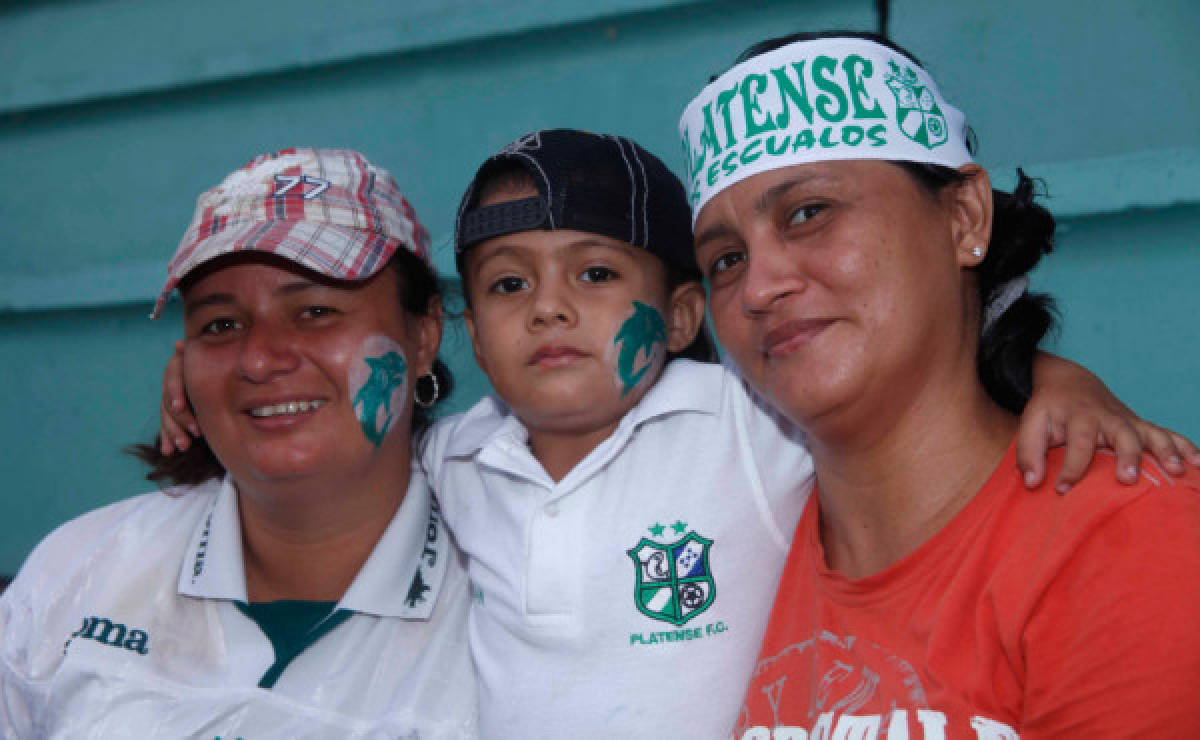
(327,210)
(813,101)
(597,183)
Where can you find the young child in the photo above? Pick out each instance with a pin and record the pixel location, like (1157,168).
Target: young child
(625,517)
(626,511)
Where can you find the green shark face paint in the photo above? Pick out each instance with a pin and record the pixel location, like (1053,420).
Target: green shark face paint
(378,384)
(644,334)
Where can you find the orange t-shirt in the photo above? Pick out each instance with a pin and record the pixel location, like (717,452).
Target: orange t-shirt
(1030,613)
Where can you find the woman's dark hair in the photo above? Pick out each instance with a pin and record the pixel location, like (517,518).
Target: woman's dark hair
(1022,231)
(513,178)
(417,285)
(762,47)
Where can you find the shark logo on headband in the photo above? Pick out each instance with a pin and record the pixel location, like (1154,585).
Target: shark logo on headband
(813,101)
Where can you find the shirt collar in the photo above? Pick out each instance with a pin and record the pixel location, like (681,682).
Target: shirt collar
(401,578)
(404,573)
(484,423)
(683,387)
(213,566)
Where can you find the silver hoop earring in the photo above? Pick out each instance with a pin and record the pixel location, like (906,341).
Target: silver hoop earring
(432,396)
(977,251)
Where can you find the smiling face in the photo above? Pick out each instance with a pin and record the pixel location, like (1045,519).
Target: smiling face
(571,327)
(838,287)
(294,376)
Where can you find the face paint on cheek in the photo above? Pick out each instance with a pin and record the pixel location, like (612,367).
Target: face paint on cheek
(378,382)
(641,339)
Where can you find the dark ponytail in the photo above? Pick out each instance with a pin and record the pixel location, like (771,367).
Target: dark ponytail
(1022,231)
(194,465)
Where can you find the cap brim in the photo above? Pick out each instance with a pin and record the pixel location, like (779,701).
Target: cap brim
(338,252)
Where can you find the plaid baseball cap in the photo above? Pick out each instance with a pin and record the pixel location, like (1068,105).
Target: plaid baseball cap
(329,210)
(597,183)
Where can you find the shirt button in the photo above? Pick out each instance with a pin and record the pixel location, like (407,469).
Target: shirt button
(551,509)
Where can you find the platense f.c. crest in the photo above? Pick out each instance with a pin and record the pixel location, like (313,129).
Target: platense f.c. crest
(674,580)
(917,111)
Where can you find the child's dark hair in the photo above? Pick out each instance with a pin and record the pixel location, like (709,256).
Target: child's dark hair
(1022,231)
(417,286)
(512,178)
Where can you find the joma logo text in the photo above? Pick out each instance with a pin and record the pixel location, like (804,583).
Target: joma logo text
(114,634)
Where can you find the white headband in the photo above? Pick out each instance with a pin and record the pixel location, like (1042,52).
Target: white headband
(813,101)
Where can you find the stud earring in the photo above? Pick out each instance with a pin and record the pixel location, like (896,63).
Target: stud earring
(977,251)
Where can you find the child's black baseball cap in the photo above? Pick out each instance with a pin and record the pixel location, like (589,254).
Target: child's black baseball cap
(597,183)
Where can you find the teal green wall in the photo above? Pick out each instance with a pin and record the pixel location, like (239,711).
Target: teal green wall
(114,114)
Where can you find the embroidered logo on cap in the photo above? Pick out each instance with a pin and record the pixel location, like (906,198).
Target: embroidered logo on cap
(285,184)
(529,142)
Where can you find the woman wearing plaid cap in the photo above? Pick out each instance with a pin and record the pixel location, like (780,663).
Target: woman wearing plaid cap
(852,247)
(295,580)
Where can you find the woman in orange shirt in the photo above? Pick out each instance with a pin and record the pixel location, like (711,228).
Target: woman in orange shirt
(853,248)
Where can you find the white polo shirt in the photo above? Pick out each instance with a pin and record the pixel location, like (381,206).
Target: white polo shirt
(125,623)
(629,599)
